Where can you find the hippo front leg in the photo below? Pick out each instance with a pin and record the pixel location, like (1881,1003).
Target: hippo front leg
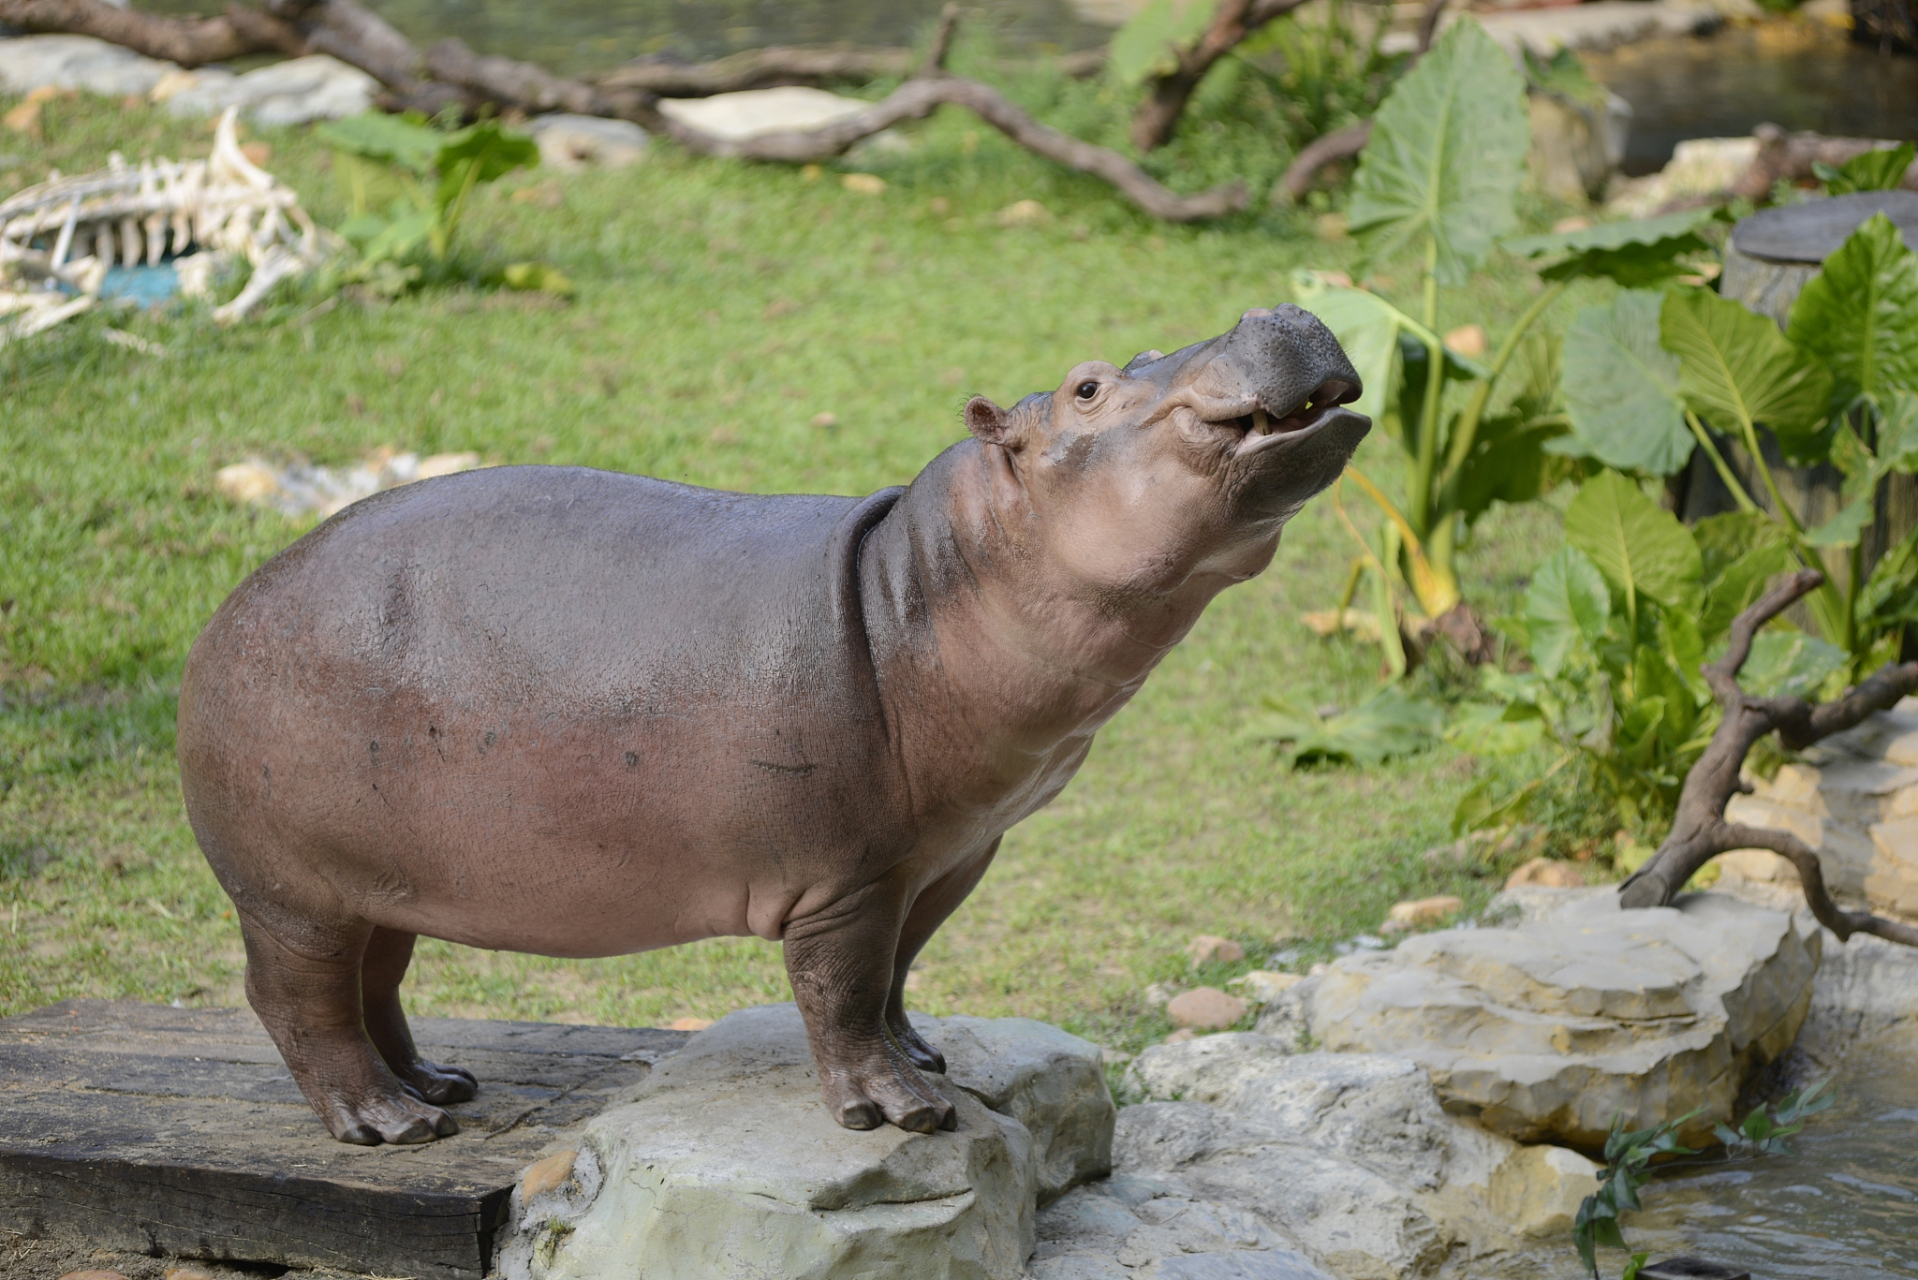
(929,910)
(840,960)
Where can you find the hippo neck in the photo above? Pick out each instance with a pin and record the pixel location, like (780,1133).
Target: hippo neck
(986,652)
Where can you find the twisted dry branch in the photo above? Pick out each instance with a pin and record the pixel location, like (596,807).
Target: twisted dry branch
(451,74)
(1700,833)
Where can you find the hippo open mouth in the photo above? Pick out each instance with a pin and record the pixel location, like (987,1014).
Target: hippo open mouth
(1263,428)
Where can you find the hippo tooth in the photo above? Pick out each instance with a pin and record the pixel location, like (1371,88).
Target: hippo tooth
(1261,422)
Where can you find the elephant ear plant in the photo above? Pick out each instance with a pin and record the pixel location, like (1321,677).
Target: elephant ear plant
(1440,176)
(1656,374)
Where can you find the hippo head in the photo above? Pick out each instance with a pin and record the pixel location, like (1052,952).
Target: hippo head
(1185,463)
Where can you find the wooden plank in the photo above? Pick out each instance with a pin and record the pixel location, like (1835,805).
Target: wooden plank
(178,1131)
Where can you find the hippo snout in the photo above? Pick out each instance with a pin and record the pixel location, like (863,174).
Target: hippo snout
(1287,359)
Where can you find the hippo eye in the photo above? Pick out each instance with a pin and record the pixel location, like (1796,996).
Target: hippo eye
(1087,390)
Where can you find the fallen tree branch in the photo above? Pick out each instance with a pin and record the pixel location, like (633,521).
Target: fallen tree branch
(1167,94)
(191,42)
(757,69)
(941,46)
(1700,833)
(450,73)
(1330,148)
(530,88)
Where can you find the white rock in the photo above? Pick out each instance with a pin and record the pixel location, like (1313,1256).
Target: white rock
(728,1165)
(1852,798)
(297,91)
(570,142)
(1537,1190)
(737,116)
(77,62)
(1546,1031)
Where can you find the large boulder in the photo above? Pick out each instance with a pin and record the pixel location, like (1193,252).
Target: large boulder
(1268,1163)
(725,1164)
(297,91)
(1854,799)
(1547,1030)
(77,62)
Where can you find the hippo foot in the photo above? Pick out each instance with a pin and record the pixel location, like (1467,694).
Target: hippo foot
(923,1055)
(868,1094)
(431,1082)
(399,1118)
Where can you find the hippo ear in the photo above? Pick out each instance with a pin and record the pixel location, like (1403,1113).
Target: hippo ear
(988,421)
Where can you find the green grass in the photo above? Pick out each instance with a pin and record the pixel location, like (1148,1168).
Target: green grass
(722,306)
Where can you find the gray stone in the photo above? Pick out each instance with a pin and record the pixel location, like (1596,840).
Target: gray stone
(570,143)
(297,91)
(1547,1030)
(77,62)
(725,1164)
(1143,1226)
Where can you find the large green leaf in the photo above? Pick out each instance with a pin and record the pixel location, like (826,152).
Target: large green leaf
(1635,254)
(1621,387)
(1880,170)
(1389,723)
(481,153)
(1739,584)
(1788,664)
(1445,157)
(407,141)
(1736,367)
(1640,548)
(1860,314)
(1566,604)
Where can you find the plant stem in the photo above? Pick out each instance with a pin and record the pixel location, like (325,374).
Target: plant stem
(1743,499)
(1466,432)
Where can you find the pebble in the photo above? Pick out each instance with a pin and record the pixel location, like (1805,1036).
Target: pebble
(544,1175)
(865,184)
(1468,340)
(1211,949)
(1206,1008)
(689,1024)
(1159,995)
(93,1275)
(1024,213)
(187,1273)
(1180,1036)
(1544,873)
(1409,915)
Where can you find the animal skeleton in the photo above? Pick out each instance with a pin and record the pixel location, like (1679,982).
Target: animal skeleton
(201,213)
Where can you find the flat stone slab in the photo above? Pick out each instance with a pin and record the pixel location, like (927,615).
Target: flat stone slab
(178,1131)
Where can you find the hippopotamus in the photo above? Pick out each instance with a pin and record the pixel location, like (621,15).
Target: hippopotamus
(579,713)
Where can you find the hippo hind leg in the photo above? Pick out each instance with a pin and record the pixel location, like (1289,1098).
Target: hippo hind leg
(841,965)
(382,969)
(309,1000)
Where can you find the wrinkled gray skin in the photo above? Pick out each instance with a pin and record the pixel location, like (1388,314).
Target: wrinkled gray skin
(577,713)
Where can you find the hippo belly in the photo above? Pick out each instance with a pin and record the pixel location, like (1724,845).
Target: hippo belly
(549,710)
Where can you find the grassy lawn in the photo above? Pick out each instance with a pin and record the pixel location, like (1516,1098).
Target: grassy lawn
(722,308)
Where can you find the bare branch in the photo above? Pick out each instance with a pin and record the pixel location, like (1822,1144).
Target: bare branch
(758,69)
(191,42)
(1722,675)
(1812,877)
(1699,831)
(1428,23)
(1167,94)
(935,63)
(1340,144)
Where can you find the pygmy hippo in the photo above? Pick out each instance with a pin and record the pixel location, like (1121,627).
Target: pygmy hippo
(577,713)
